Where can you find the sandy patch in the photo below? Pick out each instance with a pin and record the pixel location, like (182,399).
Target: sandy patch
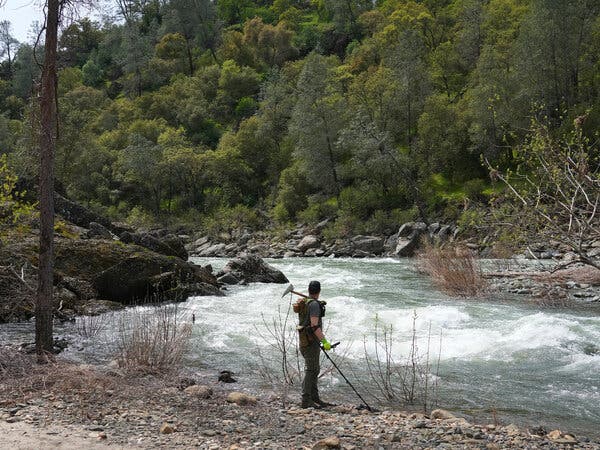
(22,436)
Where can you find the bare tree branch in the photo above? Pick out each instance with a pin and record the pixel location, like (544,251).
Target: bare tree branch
(556,193)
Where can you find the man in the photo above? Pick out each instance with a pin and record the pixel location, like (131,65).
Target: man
(311,338)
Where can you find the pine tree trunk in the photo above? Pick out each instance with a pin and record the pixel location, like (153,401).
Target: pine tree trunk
(43,306)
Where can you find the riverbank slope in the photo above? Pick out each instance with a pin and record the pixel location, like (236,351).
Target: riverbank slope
(74,406)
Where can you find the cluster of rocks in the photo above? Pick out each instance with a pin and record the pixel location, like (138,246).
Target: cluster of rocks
(309,241)
(557,251)
(150,413)
(101,266)
(575,285)
(559,294)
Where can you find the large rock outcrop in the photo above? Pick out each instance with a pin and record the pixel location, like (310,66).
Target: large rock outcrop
(79,215)
(129,273)
(93,272)
(252,269)
(159,242)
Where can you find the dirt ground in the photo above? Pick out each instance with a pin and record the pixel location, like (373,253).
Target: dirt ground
(23,436)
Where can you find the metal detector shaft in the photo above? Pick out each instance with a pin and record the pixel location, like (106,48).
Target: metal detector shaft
(346,379)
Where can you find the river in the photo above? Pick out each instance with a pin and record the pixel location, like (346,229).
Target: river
(487,358)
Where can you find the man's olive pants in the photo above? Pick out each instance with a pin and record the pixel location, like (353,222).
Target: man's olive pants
(311,354)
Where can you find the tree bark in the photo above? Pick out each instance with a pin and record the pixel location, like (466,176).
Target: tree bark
(48,113)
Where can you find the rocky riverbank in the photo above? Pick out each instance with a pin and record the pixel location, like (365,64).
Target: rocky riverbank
(573,286)
(104,407)
(309,241)
(102,265)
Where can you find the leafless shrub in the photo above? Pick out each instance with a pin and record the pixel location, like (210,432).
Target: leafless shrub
(25,379)
(152,339)
(282,337)
(454,270)
(91,326)
(405,382)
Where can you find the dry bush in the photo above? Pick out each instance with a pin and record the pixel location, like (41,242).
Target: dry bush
(23,379)
(453,270)
(90,326)
(152,340)
(283,339)
(407,381)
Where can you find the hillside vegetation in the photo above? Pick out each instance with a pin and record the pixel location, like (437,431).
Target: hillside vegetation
(242,113)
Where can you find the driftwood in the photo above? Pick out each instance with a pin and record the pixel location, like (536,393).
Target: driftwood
(21,277)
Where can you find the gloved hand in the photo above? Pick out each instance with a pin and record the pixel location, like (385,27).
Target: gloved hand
(325,345)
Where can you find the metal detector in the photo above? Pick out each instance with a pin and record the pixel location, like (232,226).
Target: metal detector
(344,377)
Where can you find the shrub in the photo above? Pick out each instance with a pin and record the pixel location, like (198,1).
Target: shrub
(344,226)
(388,222)
(319,208)
(15,212)
(407,381)
(152,340)
(140,218)
(228,219)
(454,270)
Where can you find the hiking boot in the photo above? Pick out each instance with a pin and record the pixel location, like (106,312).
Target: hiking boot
(310,404)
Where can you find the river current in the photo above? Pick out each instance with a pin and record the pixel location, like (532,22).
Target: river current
(493,358)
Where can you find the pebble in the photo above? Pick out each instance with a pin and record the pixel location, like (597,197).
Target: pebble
(166,428)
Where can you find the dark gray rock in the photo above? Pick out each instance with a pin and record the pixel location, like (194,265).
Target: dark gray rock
(252,269)
(79,215)
(98,231)
(165,244)
(368,244)
(213,250)
(444,232)
(228,278)
(433,228)
(406,247)
(411,228)
(83,289)
(409,237)
(148,275)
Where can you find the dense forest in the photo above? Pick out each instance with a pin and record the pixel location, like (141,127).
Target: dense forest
(254,112)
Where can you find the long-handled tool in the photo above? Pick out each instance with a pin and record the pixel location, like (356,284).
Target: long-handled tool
(344,377)
(290,289)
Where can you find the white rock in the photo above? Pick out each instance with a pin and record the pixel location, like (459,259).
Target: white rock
(199,391)
(239,398)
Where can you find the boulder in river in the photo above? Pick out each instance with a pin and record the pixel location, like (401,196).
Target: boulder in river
(308,242)
(252,269)
(368,244)
(408,239)
(128,273)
